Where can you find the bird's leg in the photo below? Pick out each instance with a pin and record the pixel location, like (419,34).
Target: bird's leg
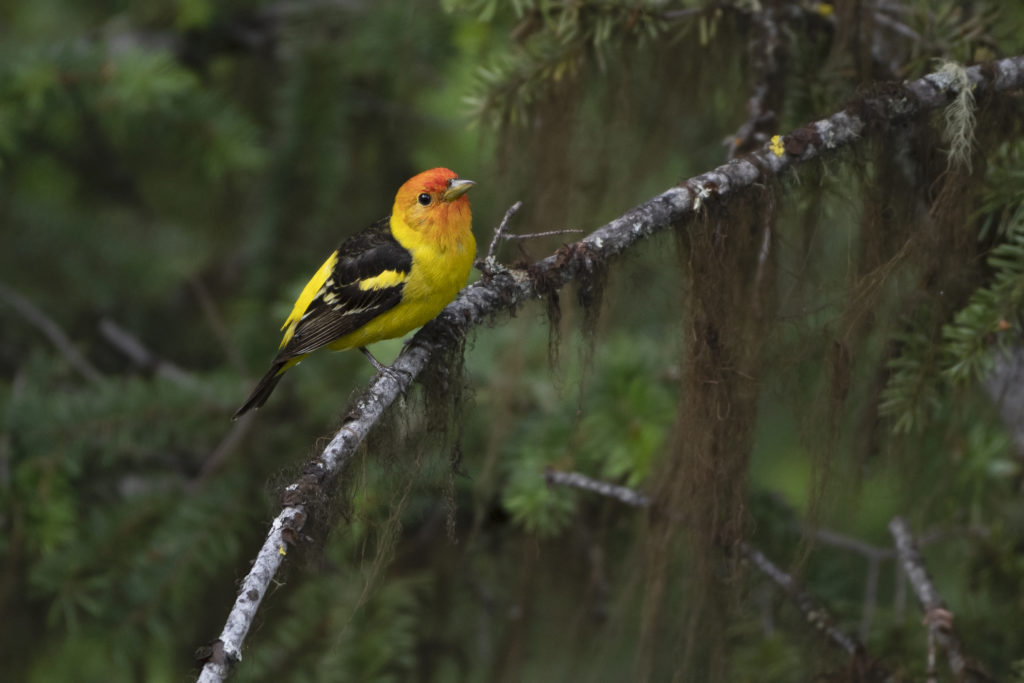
(380,367)
(384,369)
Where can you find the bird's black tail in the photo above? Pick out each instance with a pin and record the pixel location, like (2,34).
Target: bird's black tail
(263,390)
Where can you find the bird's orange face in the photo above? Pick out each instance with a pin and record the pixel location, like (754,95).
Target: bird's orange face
(435,202)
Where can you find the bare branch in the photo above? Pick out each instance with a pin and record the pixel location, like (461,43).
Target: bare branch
(938,619)
(874,555)
(228,445)
(870,599)
(489,265)
(500,229)
(216,321)
(622,494)
(45,324)
(815,613)
(548,233)
(508,288)
(899,27)
(838,540)
(128,344)
(762,117)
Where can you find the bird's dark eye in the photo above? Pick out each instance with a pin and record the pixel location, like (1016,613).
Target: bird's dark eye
(423,199)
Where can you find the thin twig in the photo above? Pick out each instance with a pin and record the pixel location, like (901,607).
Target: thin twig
(622,494)
(228,445)
(875,552)
(549,233)
(809,606)
(874,555)
(766,98)
(838,540)
(898,26)
(130,345)
(488,265)
(216,322)
(899,598)
(45,324)
(501,229)
(870,599)
(507,289)
(938,618)
(763,255)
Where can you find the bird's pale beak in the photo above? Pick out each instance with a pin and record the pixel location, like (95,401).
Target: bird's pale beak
(456,188)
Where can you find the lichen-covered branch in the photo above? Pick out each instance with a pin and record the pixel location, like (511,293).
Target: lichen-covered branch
(286,527)
(937,617)
(509,288)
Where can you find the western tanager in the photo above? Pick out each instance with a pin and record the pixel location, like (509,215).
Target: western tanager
(384,281)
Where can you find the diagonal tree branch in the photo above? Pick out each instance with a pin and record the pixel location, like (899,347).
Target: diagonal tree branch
(132,347)
(45,324)
(509,288)
(623,494)
(813,611)
(937,617)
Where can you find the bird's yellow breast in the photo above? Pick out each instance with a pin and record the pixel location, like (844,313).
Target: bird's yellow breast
(440,267)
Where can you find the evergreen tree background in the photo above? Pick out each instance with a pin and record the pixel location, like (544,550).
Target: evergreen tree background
(171,172)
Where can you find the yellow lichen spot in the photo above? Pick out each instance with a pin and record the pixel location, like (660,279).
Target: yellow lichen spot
(825,9)
(776,145)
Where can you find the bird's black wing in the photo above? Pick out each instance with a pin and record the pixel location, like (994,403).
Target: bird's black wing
(341,305)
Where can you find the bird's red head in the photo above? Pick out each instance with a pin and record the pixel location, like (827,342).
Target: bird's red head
(434,202)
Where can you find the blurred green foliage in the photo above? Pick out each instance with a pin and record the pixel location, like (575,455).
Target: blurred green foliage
(180,167)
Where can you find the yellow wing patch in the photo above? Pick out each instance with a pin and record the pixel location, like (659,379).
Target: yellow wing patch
(387,278)
(309,293)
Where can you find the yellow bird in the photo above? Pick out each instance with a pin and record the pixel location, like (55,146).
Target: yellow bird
(384,281)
